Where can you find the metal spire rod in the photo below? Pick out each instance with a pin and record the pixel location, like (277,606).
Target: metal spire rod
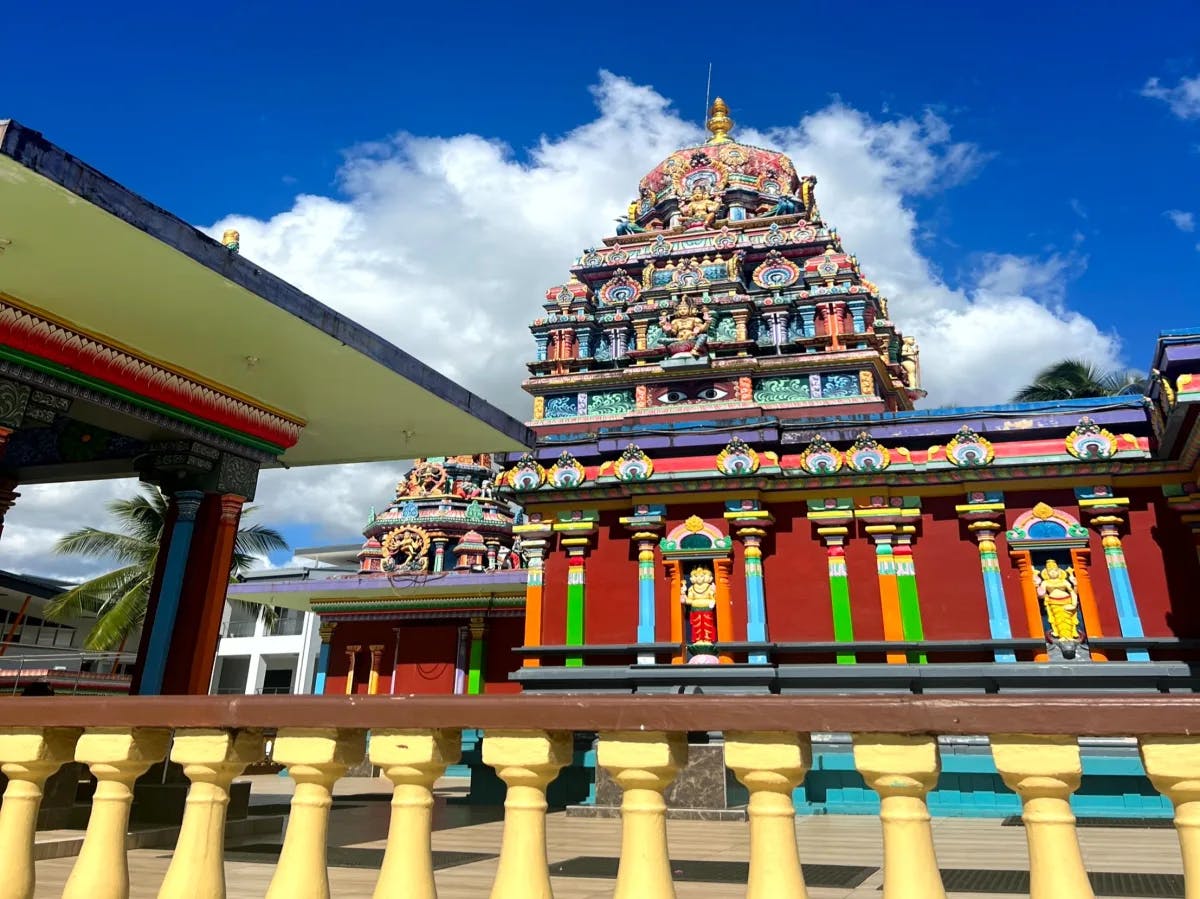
(708,92)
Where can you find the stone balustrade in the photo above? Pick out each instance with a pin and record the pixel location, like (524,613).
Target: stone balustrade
(528,741)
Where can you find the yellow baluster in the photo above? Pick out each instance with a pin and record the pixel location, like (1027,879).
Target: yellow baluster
(527,761)
(902,769)
(643,763)
(315,759)
(117,757)
(1173,765)
(28,756)
(1044,771)
(211,759)
(412,760)
(771,766)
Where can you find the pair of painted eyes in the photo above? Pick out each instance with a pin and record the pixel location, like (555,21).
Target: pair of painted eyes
(708,394)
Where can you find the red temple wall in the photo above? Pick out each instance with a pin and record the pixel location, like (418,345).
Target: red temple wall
(1163,566)
(796,578)
(949,577)
(427,656)
(554,597)
(862,571)
(504,634)
(611,600)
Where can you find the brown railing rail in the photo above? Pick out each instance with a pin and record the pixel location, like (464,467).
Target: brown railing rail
(1090,716)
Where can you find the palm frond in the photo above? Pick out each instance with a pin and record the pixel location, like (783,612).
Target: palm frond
(94,596)
(255,541)
(121,618)
(105,544)
(143,515)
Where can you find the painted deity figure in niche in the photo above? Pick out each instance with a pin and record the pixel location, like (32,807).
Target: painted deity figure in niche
(699,209)
(910,361)
(1057,590)
(685,330)
(701,600)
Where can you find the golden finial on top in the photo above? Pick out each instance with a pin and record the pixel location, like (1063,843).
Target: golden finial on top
(719,122)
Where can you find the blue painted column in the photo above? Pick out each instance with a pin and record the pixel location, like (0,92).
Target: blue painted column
(323,658)
(646,624)
(167,608)
(756,596)
(985,514)
(1118,576)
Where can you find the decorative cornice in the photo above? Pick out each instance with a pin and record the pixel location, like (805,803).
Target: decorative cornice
(37,339)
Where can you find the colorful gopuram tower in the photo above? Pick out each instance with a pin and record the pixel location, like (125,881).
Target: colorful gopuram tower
(435,606)
(731,488)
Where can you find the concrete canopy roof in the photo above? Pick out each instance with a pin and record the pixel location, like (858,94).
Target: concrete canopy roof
(88,252)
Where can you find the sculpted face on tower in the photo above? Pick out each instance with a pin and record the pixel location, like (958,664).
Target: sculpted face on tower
(691,392)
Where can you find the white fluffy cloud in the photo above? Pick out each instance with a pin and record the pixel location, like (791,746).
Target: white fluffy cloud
(1184,221)
(446,246)
(1183,99)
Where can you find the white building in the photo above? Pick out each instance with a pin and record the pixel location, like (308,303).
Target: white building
(36,650)
(255,656)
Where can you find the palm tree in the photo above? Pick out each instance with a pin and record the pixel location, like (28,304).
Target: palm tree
(118,599)
(1070,379)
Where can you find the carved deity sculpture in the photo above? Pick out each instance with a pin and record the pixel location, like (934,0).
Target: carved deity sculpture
(808,196)
(1056,589)
(232,241)
(700,209)
(910,361)
(701,600)
(685,330)
(786,206)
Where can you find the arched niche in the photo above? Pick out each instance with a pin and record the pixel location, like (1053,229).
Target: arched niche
(698,542)
(1047,534)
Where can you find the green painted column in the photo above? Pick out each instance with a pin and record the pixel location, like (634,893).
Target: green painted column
(576,587)
(475,657)
(839,589)
(906,587)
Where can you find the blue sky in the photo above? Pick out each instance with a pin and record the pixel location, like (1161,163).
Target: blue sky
(239,108)
(1025,155)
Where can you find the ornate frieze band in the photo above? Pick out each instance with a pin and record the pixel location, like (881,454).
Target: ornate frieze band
(35,340)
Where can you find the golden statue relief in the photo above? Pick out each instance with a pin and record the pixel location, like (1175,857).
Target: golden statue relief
(910,361)
(685,330)
(701,600)
(1056,588)
(699,208)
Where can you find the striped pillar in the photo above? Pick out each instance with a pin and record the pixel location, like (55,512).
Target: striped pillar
(756,598)
(646,626)
(993,587)
(326,632)
(376,651)
(439,554)
(889,590)
(839,589)
(475,657)
(352,658)
(576,595)
(906,588)
(165,607)
(460,661)
(1118,576)
(534,548)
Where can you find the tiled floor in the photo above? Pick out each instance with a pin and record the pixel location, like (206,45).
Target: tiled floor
(467,839)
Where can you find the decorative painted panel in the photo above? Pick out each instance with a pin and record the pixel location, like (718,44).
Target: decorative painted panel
(613,402)
(781,390)
(839,385)
(562,406)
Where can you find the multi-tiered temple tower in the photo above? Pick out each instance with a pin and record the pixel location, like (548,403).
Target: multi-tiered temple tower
(725,296)
(731,486)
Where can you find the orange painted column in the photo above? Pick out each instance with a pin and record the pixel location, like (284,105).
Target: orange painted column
(675,575)
(1088,610)
(535,549)
(203,642)
(889,590)
(724,610)
(15,624)
(1033,608)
